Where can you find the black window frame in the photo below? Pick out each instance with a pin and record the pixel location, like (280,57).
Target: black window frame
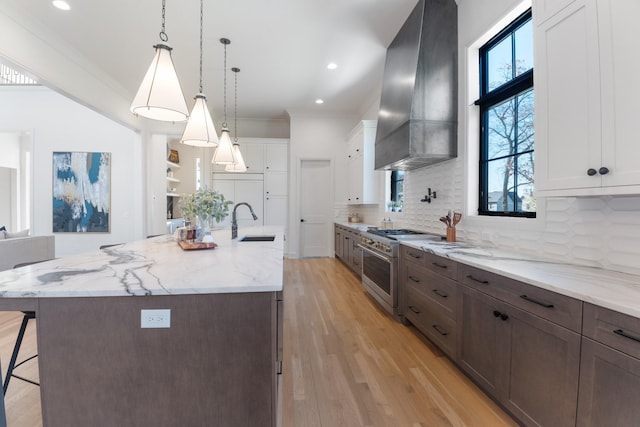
(491,98)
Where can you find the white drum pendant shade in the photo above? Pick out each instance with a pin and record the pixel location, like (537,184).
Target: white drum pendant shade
(239,166)
(200,131)
(224,152)
(160,95)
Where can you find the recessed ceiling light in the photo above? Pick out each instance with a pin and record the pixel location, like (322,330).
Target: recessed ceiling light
(61,4)
(332,65)
(319,101)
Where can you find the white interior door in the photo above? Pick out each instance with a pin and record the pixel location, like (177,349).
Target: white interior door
(316,208)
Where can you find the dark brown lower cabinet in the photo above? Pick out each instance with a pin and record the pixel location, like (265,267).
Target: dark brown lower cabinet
(609,369)
(338,236)
(609,387)
(525,362)
(347,249)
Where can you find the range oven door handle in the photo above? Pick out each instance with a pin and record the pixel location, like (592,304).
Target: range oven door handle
(382,257)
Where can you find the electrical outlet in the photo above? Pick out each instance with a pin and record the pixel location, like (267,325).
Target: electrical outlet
(155,318)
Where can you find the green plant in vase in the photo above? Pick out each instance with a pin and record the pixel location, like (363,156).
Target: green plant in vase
(205,206)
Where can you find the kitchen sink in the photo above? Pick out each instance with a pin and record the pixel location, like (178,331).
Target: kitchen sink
(258,239)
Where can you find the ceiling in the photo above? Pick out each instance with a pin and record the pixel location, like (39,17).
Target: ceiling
(282,47)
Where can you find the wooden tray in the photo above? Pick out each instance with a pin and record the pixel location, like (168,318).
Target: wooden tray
(194,246)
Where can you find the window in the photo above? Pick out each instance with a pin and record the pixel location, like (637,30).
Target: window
(506,131)
(397,191)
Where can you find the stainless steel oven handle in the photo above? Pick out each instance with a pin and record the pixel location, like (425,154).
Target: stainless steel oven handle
(382,257)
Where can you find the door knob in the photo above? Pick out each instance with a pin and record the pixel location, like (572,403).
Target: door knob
(301,220)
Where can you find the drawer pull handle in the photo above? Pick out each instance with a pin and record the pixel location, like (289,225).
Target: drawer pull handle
(414,309)
(626,335)
(543,304)
(440,294)
(412,255)
(439,330)
(439,265)
(484,282)
(413,279)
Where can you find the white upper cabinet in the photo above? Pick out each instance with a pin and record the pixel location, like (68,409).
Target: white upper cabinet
(586,98)
(276,157)
(253,156)
(363,179)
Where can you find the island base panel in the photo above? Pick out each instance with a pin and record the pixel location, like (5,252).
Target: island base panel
(213,366)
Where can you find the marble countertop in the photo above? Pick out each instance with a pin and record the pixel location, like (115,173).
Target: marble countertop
(606,288)
(360,226)
(156,266)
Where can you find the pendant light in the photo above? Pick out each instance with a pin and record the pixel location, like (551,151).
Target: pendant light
(224,152)
(239,166)
(200,131)
(160,95)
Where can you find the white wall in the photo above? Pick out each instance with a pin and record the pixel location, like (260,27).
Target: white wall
(6,180)
(597,231)
(59,124)
(316,138)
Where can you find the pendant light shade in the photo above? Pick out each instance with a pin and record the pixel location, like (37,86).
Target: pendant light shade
(239,165)
(160,95)
(224,152)
(200,131)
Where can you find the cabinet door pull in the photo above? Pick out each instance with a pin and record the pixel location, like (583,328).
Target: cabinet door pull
(591,171)
(543,304)
(502,316)
(484,282)
(413,279)
(603,170)
(440,294)
(439,330)
(412,255)
(439,265)
(414,309)
(626,335)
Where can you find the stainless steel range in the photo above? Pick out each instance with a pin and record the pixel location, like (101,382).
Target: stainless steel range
(380,250)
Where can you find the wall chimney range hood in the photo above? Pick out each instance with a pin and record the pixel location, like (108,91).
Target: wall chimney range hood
(417,121)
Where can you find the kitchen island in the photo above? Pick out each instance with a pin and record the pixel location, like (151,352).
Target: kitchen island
(216,363)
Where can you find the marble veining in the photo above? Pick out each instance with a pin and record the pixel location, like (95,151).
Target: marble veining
(156,266)
(606,288)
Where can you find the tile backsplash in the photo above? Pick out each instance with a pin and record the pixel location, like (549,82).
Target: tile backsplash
(595,231)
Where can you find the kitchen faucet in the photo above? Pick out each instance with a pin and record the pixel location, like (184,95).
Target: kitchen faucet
(234,221)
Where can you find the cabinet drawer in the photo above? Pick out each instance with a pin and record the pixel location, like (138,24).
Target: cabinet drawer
(432,320)
(435,263)
(560,309)
(617,330)
(439,290)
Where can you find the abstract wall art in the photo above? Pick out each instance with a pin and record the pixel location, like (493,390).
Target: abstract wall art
(81,192)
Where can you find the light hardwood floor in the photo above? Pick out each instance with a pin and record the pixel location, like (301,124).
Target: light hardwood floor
(346,362)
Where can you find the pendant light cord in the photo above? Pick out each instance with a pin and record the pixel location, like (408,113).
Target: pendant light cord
(224,125)
(201,19)
(163,35)
(235,106)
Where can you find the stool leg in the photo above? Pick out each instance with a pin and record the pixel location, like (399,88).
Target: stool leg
(16,350)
